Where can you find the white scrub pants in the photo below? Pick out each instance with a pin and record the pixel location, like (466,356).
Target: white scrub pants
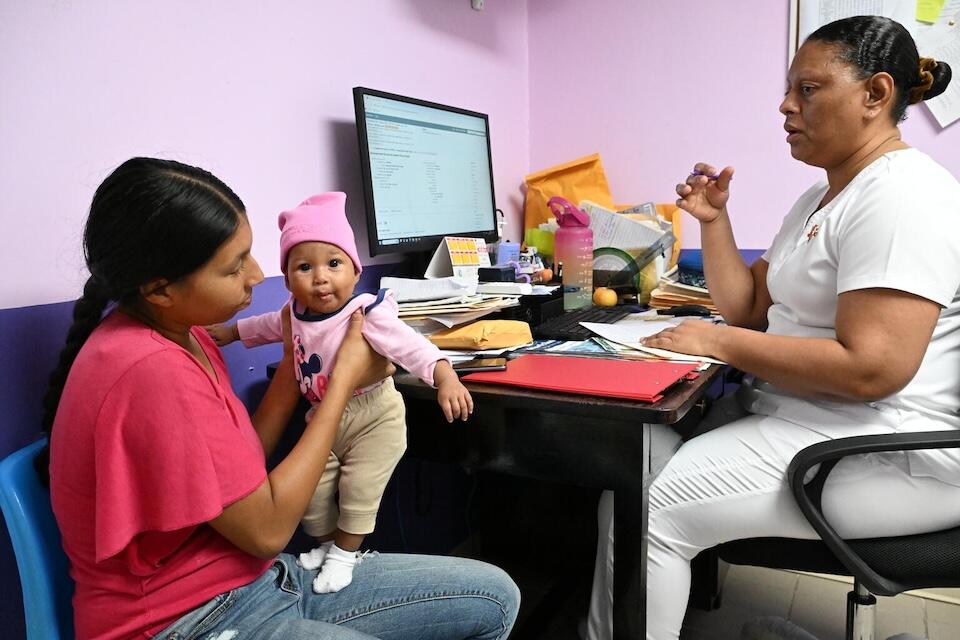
(730,483)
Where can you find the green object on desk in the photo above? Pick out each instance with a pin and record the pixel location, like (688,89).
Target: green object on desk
(542,240)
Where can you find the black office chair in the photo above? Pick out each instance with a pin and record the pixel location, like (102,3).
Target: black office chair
(881,566)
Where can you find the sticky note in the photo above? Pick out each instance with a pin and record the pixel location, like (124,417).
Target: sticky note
(929,10)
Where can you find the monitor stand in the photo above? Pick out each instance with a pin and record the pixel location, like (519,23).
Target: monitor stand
(415,263)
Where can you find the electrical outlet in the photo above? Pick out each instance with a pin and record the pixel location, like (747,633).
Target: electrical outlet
(477,4)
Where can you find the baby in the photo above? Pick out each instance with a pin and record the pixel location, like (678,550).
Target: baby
(318,257)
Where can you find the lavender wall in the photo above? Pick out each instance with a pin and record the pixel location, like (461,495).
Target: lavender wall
(657,86)
(259,93)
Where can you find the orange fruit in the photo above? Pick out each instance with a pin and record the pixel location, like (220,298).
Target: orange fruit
(604,297)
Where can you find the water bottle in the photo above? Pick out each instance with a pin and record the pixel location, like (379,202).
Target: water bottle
(573,248)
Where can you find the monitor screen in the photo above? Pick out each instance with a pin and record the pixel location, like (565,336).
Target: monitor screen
(426,172)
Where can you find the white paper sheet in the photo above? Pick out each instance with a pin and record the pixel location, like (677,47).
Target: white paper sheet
(412,289)
(610,229)
(629,332)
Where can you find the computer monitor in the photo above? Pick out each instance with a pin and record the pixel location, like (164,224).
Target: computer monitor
(426,171)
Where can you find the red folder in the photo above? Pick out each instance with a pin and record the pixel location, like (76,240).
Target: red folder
(644,380)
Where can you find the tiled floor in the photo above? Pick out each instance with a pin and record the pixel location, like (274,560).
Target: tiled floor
(818,605)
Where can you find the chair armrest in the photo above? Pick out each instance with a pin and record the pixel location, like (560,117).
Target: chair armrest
(828,454)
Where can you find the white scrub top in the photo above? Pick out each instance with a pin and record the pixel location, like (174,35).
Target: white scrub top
(895,226)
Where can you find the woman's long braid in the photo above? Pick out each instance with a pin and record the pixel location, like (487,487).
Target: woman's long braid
(87,312)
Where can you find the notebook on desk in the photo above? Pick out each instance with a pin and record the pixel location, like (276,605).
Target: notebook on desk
(610,378)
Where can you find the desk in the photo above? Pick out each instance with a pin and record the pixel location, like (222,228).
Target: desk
(582,440)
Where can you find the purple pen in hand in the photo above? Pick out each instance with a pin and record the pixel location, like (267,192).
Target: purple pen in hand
(710,176)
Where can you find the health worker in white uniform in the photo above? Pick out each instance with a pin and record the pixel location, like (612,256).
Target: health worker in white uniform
(849,325)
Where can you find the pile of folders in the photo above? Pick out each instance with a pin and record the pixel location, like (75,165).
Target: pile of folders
(684,284)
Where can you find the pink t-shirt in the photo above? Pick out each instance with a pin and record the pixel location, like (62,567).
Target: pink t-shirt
(146,448)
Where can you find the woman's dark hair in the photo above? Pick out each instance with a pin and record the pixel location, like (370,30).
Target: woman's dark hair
(874,44)
(149,219)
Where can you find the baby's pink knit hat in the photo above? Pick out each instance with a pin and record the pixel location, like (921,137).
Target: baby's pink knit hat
(320,218)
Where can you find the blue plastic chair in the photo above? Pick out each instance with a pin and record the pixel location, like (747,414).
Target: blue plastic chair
(44,568)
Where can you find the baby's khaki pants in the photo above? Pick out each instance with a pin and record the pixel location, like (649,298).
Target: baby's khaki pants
(370,441)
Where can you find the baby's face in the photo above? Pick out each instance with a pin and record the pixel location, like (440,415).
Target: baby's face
(320,276)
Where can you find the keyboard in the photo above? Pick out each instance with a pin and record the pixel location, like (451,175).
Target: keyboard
(566,326)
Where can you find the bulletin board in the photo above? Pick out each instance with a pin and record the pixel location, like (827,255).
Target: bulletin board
(934,25)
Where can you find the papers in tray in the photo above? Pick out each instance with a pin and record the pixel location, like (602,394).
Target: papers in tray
(611,229)
(416,290)
(454,305)
(441,303)
(670,293)
(435,315)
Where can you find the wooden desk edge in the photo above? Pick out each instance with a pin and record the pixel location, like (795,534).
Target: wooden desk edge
(670,409)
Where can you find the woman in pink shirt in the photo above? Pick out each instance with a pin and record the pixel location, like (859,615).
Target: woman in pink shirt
(173,526)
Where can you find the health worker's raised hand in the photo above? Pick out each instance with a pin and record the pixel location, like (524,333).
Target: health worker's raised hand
(705,192)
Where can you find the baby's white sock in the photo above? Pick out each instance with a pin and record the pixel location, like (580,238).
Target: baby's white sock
(336,572)
(312,559)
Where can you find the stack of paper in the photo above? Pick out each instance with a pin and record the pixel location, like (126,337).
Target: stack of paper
(459,304)
(442,303)
(415,289)
(670,293)
(612,229)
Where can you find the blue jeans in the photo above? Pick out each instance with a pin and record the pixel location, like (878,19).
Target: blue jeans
(392,596)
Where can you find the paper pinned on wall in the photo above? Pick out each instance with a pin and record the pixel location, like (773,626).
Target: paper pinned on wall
(934,24)
(815,13)
(943,43)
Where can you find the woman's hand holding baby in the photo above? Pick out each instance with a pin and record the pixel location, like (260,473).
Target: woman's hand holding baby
(357,361)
